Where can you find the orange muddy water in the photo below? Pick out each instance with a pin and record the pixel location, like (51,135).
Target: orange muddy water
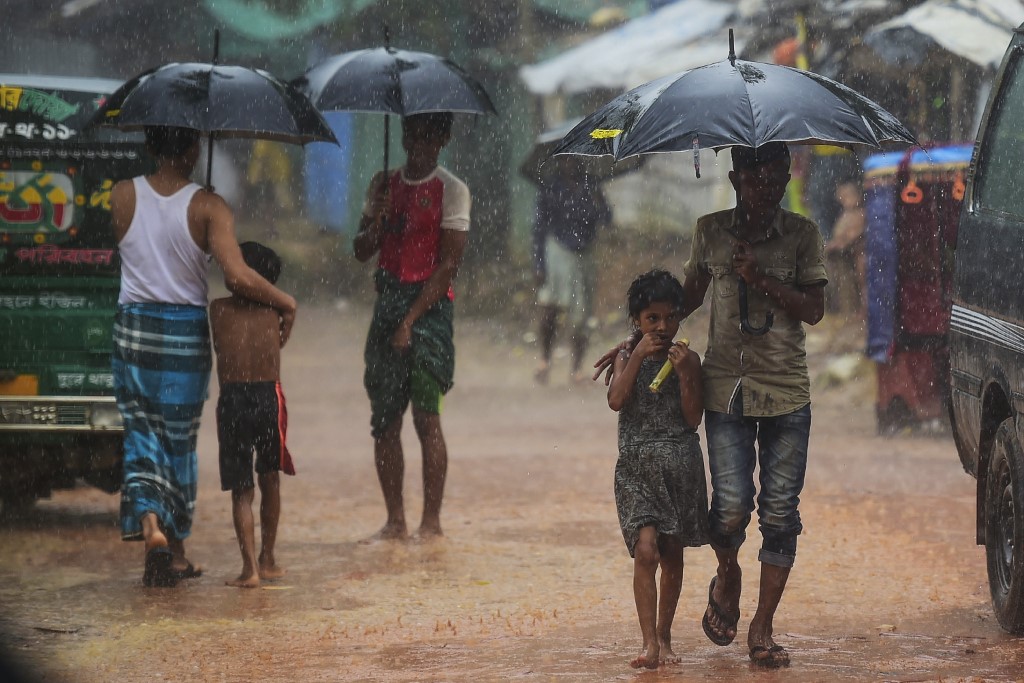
(532,581)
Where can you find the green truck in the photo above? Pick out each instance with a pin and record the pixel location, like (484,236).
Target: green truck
(59,281)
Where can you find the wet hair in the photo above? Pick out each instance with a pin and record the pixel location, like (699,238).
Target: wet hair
(440,122)
(747,158)
(169,141)
(654,286)
(263,260)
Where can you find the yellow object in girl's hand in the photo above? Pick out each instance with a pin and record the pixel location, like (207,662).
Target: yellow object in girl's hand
(666,369)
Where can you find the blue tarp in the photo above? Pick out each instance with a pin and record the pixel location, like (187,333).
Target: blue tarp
(880,249)
(328,175)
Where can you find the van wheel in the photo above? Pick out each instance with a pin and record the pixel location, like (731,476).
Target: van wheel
(1004,528)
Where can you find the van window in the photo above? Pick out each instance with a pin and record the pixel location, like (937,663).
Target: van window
(1001,166)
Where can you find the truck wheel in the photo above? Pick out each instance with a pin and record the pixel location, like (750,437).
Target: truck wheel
(1004,528)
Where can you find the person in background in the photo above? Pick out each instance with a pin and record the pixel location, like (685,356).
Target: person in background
(569,212)
(845,251)
(417,220)
(167,228)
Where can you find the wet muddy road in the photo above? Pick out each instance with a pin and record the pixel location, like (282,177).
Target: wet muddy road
(531,582)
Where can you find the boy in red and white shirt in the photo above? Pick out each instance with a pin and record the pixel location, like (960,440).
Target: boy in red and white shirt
(417,220)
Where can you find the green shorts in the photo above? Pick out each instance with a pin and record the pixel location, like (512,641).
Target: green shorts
(425,391)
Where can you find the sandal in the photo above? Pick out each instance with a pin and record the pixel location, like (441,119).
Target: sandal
(158,572)
(728,621)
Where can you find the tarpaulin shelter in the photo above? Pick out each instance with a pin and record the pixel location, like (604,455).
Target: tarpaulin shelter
(976,30)
(656,44)
(912,207)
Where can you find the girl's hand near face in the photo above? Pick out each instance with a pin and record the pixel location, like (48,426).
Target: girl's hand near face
(650,344)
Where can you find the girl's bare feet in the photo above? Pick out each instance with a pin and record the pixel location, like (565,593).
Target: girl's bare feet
(667,656)
(648,659)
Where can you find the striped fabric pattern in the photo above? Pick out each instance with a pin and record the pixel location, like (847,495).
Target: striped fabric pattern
(161,364)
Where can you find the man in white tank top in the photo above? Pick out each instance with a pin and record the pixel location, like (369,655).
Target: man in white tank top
(166,226)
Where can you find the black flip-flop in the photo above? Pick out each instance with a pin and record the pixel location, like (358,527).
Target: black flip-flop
(728,621)
(158,572)
(777,656)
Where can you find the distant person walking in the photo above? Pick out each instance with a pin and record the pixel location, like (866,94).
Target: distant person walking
(660,490)
(252,419)
(165,226)
(417,220)
(570,209)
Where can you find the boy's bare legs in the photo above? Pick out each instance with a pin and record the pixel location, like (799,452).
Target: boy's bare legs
(270,513)
(727,590)
(435,470)
(241,513)
(645,592)
(390,461)
(668,598)
(773,584)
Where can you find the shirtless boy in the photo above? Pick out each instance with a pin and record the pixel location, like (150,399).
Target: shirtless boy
(251,416)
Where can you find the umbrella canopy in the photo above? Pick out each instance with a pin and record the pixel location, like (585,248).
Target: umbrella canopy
(393,81)
(733,103)
(534,166)
(220,99)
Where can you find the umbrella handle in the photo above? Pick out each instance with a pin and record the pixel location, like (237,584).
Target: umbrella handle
(745,325)
(209,140)
(387,142)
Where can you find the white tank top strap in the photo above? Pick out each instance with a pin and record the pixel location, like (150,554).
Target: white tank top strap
(160,262)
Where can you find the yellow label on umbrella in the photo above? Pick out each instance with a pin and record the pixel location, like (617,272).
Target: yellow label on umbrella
(600,133)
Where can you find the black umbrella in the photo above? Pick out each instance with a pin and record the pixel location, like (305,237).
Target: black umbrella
(393,81)
(217,100)
(733,103)
(534,166)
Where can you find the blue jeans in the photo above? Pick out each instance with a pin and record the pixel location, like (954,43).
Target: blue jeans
(782,456)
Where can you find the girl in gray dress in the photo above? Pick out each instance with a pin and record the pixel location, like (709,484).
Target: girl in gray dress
(660,490)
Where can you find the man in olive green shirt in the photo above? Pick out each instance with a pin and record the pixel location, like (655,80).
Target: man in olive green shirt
(756,387)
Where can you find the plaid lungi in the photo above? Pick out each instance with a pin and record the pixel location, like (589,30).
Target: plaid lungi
(161,365)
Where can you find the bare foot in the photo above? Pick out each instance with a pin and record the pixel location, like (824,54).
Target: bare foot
(156,540)
(429,531)
(244,581)
(388,532)
(648,659)
(667,656)
(271,571)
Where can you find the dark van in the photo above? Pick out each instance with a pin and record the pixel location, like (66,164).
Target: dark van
(986,339)
(59,281)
